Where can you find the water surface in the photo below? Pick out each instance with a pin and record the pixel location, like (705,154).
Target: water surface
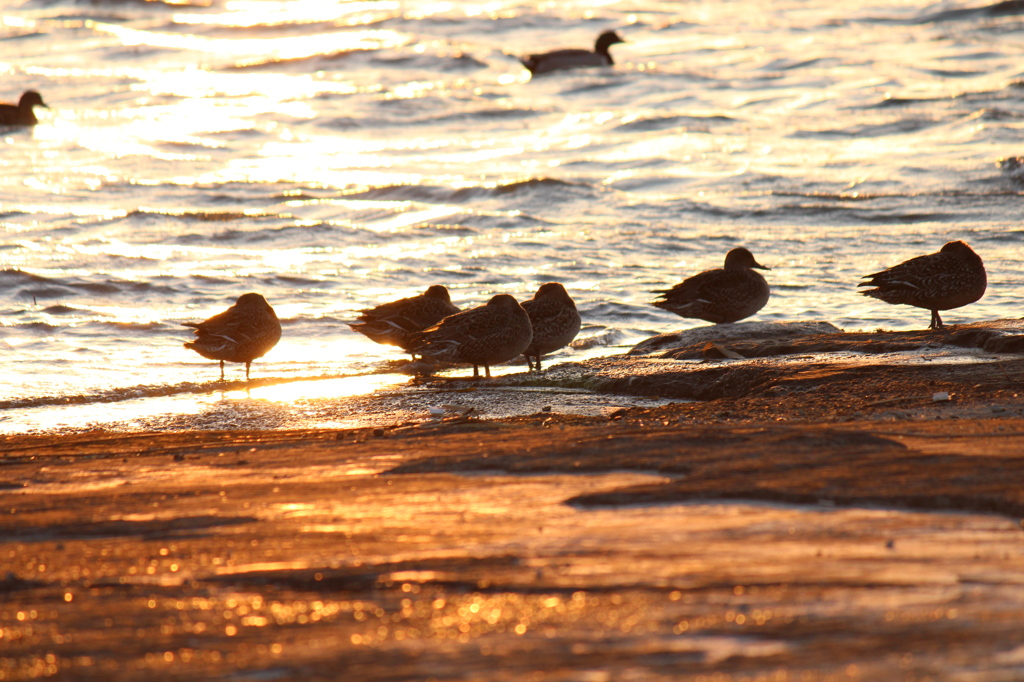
(332,156)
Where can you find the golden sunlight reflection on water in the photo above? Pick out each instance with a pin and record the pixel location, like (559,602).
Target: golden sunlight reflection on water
(133,414)
(327,388)
(292,47)
(249,14)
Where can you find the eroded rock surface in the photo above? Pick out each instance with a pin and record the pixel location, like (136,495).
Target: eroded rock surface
(691,341)
(793,357)
(618,551)
(767,339)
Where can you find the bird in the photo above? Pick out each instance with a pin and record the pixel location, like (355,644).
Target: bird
(554,319)
(950,278)
(573,59)
(486,335)
(393,323)
(21,114)
(245,331)
(726,294)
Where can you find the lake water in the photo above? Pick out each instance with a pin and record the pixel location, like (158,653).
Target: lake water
(333,156)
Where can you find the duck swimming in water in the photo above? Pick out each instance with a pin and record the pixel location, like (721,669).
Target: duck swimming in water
(950,278)
(573,59)
(21,114)
(721,295)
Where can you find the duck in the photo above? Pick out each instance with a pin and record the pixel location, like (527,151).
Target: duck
(727,294)
(486,335)
(573,59)
(952,277)
(554,319)
(393,323)
(245,331)
(21,114)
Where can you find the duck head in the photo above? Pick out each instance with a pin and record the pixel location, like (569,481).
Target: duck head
(740,258)
(606,40)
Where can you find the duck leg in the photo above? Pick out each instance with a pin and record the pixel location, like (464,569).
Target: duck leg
(487,369)
(247,370)
(936,320)
(476,372)
(222,370)
(538,362)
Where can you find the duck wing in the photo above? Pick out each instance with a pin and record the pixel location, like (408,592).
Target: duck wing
(219,324)
(702,287)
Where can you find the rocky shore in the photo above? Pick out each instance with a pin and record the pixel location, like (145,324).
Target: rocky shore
(834,506)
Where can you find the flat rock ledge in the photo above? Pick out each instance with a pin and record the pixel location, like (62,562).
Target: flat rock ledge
(783,358)
(767,339)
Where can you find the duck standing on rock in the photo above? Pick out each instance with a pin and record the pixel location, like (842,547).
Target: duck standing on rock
(573,59)
(486,335)
(554,319)
(950,278)
(726,294)
(21,114)
(394,323)
(245,331)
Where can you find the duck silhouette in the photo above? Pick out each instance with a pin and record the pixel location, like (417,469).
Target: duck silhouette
(722,295)
(486,335)
(554,319)
(21,114)
(245,331)
(395,322)
(573,59)
(950,278)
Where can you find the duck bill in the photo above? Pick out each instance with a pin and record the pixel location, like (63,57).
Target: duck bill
(759,266)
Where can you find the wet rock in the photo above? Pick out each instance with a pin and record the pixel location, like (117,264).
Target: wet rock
(694,340)
(790,359)
(761,340)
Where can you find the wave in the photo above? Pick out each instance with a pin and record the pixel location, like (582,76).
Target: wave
(483,116)
(371,57)
(787,64)
(999,9)
(458,61)
(901,102)
(602,339)
(26,285)
(315,62)
(997,114)
(205,216)
(653,124)
(62,310)
(441,195)
(911,125)
(851,213)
